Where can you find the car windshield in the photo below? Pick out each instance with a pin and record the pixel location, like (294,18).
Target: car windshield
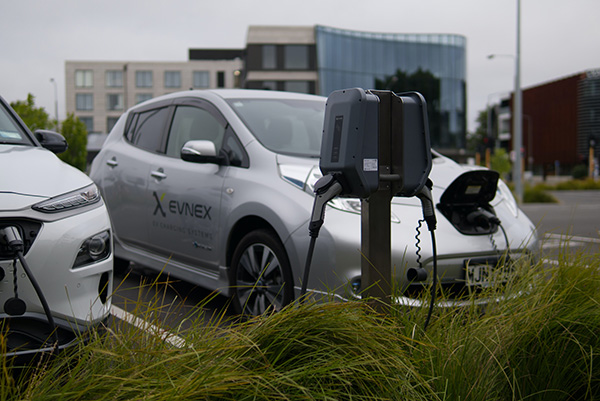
(292,127)
(10,132)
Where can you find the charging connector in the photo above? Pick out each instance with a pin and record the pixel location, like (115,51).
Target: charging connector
(426,199)
(326,188)
(11,236)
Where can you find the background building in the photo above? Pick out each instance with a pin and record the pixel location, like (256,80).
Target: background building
(321,60)
(315,60)
(561,123)
(99,91)
(281,58)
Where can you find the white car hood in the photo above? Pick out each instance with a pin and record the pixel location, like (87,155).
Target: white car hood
(31,174)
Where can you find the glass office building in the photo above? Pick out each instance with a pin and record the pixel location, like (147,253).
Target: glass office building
(348,58)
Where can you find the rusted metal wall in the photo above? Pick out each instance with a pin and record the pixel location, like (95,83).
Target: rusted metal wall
(550,123)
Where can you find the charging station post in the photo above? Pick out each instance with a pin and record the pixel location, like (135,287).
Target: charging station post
(375,146)
(376,213)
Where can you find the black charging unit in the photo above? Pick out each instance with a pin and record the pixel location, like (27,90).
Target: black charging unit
(375,146)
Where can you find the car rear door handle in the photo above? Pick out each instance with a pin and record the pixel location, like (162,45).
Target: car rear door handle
(158,174)
(112,162)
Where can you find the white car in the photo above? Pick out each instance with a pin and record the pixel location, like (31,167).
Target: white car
(216,187)
(56,256)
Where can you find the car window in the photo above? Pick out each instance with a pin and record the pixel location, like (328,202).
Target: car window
(285,126)
(147,128)
(10,132)
(193,123)
(234,149)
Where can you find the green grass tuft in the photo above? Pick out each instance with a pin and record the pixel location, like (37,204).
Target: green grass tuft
(537,342)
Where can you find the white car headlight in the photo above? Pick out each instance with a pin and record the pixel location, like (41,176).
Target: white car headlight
(353,205)
(71,200)
(510,200)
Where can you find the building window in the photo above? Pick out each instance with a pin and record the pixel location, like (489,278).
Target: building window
(114,101)
(143,79)
(114,79)
(172,79)
(201,79)
(89,123)
(297,86)
(220,79)
(84,101)
(269,57)
(110,123)
(142,97)
(84,78)
(269,85)
(295,57)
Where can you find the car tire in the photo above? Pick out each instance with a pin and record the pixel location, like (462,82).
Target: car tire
(260,274)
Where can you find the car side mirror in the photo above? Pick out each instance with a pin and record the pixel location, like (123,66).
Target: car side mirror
(53,141)
(201,152)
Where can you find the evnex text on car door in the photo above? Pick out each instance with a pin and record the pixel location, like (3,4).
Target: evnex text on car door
(185,218)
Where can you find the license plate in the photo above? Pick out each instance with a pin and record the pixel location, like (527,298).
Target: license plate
(478,275)
(483,273)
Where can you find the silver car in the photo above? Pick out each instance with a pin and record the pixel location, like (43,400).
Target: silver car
(215,187)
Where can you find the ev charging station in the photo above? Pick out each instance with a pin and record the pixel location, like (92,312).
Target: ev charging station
(375,146)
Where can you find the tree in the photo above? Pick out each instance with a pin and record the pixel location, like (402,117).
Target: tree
(479,140)
(500,162)
(35,118)
(425,83)
(75,132)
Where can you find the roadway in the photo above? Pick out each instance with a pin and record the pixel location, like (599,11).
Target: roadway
(573,222)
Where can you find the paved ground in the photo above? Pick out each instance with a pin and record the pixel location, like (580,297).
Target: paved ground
(573,224)
(576,214)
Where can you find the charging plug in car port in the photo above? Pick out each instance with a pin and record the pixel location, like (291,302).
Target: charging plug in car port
(10,237)
(9,243)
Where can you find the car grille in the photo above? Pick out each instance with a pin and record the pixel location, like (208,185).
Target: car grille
(29,230)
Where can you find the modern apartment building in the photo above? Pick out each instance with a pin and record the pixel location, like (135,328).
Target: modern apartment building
(315,60)
(99,91)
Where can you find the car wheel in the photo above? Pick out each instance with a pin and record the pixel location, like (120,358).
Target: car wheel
(261,277)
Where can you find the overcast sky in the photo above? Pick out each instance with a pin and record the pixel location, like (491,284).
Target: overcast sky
(558,38)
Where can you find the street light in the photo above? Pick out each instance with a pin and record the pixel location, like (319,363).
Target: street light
(517,111)
(55,101)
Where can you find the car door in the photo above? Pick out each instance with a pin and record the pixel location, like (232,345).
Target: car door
(188,195)
(126,173)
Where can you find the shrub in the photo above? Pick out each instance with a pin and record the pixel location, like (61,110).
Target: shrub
(537,194)
(579,172)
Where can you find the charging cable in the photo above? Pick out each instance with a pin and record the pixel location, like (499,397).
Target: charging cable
(429,216)
(326,188)
(12,238)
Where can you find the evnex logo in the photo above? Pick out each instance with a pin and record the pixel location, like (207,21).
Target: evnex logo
(181,208)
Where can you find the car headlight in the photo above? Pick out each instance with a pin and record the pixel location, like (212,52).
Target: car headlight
(71,200)
(511,202)
(353,205)
(93,249)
